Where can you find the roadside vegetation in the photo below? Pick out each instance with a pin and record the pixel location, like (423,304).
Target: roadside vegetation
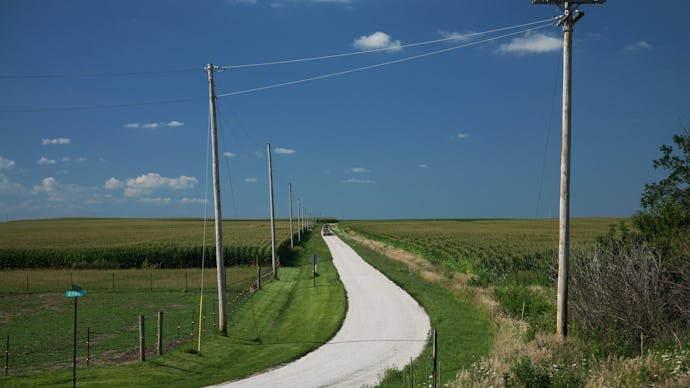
(292,318)
(629,288)
(465,332)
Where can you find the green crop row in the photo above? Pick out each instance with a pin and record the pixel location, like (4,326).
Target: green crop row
(163,256)
(492,250)
(133,243)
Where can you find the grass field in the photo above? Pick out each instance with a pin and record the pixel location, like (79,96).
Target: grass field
(491,249)
(291,318)
(132,243)
(39,322)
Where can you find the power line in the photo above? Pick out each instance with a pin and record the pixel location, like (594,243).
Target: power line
(273,86)
(289,83)
(280,62)
(95,75)
(455,37)
(106,106)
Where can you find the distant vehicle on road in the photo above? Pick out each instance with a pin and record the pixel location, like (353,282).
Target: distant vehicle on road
(327,230)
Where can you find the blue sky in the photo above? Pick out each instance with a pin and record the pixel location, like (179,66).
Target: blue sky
(471,132)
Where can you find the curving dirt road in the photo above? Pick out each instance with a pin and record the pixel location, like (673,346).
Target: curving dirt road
(384,328)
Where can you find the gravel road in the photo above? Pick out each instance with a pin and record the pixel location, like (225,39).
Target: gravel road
(384,327)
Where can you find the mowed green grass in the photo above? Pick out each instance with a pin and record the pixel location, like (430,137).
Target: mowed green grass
(79,233)
(292,318)
(39,322)
(465,333)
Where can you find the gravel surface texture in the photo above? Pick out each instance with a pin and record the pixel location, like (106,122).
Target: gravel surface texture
(384,328)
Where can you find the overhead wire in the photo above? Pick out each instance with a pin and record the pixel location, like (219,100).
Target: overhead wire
(289,83)
(549,129)
(227,162)
(105,106)
(203,240)
(162,102)
(392,48)
(94,75)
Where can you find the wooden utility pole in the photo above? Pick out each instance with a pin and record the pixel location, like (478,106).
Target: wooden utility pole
(570,16)
(273,220)
(299,221)
(292,243)
(220,263)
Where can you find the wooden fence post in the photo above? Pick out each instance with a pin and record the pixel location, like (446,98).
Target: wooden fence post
(192,333)
(160,333)
(142,341)
(88,345)
(7,355)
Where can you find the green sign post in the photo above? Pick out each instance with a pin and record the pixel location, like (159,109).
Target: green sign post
(75,293)
(314,259)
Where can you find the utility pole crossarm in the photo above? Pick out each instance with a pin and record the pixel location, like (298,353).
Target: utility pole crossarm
(570,2)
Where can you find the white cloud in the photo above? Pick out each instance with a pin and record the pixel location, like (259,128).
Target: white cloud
(113,184)
(65,192)
(251,180)
(156,201)
(377,40)
(145,184)
(360,181)
(462,135)
(532,42)
(7,187)
(423,165)
(228,154)
(283,3)
(6,164)
(456,36)
(359,170)
(284,151)
(45,161)
(192,201)
(641,45)
(48,185)
(172,123)
(67,159)
(59,140)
